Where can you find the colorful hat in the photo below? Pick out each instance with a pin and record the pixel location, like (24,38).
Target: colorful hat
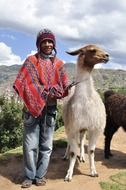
(45,34)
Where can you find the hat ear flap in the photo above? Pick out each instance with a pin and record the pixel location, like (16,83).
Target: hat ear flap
(55,51)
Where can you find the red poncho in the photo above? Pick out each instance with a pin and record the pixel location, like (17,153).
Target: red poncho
(36,77)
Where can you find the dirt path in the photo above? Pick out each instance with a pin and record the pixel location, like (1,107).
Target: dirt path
(11,170)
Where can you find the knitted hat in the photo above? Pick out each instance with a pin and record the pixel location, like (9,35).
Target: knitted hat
(45,34)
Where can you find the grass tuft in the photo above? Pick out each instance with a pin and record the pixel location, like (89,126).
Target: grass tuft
(118,182)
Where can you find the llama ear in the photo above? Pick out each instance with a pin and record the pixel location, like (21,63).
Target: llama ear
(76,52)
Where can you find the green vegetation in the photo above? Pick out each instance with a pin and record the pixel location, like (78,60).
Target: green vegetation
(118,182)
(119,178)
(10,124)
(59,138)
(118,90)
(14,152)
(59,120)
(111,186)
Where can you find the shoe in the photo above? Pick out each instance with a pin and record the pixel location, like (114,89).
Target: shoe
(41,181)
(26,183)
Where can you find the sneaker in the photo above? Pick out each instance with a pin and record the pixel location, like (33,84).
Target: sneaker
(26,183)
(41,181)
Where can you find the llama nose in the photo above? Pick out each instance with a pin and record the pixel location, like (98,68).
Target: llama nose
(107,55)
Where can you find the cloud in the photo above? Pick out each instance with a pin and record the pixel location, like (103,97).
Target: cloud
(7,57)
(75,23)
(8,36)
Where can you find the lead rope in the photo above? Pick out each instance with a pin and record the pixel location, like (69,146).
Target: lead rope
(74,83)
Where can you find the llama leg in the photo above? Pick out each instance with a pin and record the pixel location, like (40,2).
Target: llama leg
(93,136)
(73,156)
(107,152)
(67,152)
(109,132)
(82,141)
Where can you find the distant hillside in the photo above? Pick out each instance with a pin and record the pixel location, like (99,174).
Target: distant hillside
(103,78)
(7,77)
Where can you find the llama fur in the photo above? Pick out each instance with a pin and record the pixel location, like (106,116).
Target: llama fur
(84,110)
(115,104)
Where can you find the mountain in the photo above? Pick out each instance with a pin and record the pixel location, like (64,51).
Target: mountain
(103,78)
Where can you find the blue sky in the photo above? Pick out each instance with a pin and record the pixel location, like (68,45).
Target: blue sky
(74,23)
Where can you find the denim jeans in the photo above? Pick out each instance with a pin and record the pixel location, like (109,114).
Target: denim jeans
(38,143)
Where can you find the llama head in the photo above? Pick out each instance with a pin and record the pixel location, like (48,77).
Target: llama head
(90,55)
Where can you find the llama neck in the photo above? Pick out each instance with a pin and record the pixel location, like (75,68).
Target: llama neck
(82,75)
(85,85)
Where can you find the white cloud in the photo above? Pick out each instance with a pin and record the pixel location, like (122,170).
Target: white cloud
(77,23)
(7,57)
(8,36)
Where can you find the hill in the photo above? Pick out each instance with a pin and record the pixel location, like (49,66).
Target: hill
(103,78)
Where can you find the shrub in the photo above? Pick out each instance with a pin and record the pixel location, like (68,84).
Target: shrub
(59,120)
(10,124)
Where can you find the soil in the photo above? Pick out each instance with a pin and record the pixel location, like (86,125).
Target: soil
(11,169)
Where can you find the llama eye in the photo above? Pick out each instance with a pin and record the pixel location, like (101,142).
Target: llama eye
(93,50)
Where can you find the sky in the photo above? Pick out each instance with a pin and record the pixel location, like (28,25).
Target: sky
(75,23)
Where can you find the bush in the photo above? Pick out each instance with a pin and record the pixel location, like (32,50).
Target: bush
(10,124)
(59,120)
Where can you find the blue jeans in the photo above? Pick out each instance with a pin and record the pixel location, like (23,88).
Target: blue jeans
(38,142)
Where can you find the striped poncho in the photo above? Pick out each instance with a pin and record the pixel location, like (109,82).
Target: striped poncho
(35,79)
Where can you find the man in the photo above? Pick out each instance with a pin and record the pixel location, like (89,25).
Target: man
(40,82)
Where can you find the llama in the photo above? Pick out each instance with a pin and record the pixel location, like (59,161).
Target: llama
(115,104)
(84,110)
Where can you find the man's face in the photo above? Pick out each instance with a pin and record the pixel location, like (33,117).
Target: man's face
(46,47)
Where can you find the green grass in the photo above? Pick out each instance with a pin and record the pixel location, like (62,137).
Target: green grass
(59,138)
(118,182)
(59,131)
(6,157)
(119,178)
(13,152)
(112,186)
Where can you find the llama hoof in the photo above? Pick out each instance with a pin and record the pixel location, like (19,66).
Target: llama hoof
(106,156)
(81,158)
(82,161)
(95,175)
(65,158)
(67,179)
(110,154)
